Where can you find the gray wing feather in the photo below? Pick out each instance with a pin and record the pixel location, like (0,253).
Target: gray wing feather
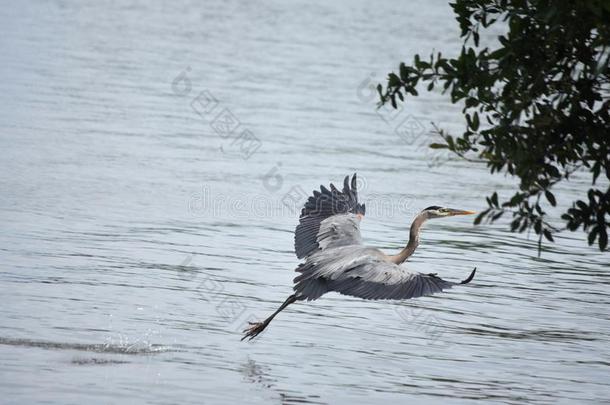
(365,274)
(323,205)
(339,230)
(375,278)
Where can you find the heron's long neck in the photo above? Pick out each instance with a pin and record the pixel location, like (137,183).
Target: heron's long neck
(413,240)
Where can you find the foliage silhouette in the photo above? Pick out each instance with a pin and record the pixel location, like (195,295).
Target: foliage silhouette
(537,105)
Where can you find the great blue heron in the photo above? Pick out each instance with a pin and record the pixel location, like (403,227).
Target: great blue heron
(328,238)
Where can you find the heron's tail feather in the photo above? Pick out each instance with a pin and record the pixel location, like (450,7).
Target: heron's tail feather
(308,286)
(470,277)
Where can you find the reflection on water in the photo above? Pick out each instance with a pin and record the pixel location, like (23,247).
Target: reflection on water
(141,232)
(258,375)
(125,348)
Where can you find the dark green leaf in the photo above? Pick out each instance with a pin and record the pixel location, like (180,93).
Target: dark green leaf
(550,197)
(603,239)
(393,80)
(592,235)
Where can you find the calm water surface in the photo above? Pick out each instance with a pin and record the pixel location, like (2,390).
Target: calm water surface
(139,235)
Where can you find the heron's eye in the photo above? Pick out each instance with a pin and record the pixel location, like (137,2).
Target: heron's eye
(443,210)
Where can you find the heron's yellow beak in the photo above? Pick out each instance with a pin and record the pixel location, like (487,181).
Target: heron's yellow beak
(461,212)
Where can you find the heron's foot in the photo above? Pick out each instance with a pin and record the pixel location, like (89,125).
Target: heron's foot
(254,329)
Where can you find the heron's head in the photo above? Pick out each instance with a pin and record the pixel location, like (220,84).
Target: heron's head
(435,211)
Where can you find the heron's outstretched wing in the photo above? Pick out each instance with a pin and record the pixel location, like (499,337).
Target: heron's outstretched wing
(329,218)
(366,276)
(378,280)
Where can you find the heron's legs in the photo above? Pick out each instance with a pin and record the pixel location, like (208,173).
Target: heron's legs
(257,327)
